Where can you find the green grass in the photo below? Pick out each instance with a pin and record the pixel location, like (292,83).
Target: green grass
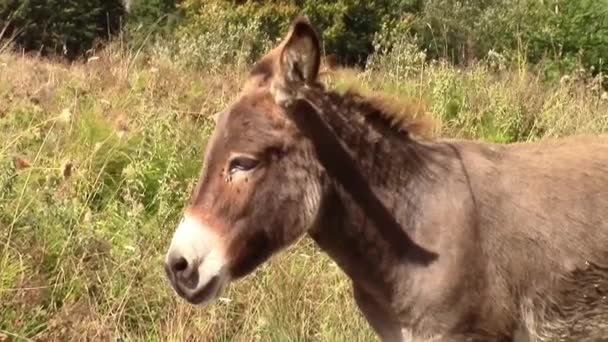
(98,160)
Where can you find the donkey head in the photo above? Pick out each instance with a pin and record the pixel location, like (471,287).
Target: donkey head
(261,185)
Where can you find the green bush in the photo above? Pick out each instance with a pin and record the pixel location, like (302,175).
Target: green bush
(574,32)
(214,35)
(151,17)
(347,26)
(562,33)
(67,27)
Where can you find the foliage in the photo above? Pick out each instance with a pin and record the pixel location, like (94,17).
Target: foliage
(396,51)
(67,27)
(573,33)
(559,35)
(206,43)
(147,12)
(347,26)
(151,17)
(562,33)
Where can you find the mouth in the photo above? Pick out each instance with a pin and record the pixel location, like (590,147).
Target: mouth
(209,292)
(206,294)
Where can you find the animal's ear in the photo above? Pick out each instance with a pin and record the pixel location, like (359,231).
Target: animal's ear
(300,56)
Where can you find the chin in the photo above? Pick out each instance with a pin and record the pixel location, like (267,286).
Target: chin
(208,294)
(203,293)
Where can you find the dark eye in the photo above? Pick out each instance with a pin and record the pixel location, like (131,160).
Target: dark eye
(242,164)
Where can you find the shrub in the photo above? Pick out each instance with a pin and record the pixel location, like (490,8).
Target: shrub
(347,26)
(573,32)
(564,33)
(67,27)
(204,42)
(147,17)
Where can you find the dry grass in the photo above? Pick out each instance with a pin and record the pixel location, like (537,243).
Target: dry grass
(96,163)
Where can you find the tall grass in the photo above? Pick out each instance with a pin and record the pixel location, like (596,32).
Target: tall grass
(97,161)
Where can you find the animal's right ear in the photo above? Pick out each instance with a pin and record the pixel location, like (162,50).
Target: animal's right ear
(300,57)
(299,60)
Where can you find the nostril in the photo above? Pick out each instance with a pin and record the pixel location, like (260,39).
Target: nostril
(183,273)
(180,264)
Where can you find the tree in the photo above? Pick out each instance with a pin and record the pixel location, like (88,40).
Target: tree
(67,27)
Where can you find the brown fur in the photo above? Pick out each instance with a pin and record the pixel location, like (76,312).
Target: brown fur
(443,240)
(404,114)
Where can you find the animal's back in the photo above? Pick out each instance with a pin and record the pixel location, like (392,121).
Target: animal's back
(543,217)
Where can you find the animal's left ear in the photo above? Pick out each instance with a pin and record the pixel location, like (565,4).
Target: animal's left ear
(300,56)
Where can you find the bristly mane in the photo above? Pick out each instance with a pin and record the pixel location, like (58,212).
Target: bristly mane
(405,116)
(369,123)
(388,114)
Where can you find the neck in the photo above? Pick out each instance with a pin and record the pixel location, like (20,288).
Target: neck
(382,205)
(371,164)
(369,215)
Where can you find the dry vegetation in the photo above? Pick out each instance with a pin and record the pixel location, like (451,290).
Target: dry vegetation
(97,161)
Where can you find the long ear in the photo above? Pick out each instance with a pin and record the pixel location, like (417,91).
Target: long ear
(300,57)
(299,60)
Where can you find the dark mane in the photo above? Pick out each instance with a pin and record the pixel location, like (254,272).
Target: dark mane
(406,117)
(391,117)
(375,124)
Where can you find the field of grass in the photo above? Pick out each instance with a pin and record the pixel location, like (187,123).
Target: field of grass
(97,161)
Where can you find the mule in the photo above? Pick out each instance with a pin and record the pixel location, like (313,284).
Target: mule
(444,240)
